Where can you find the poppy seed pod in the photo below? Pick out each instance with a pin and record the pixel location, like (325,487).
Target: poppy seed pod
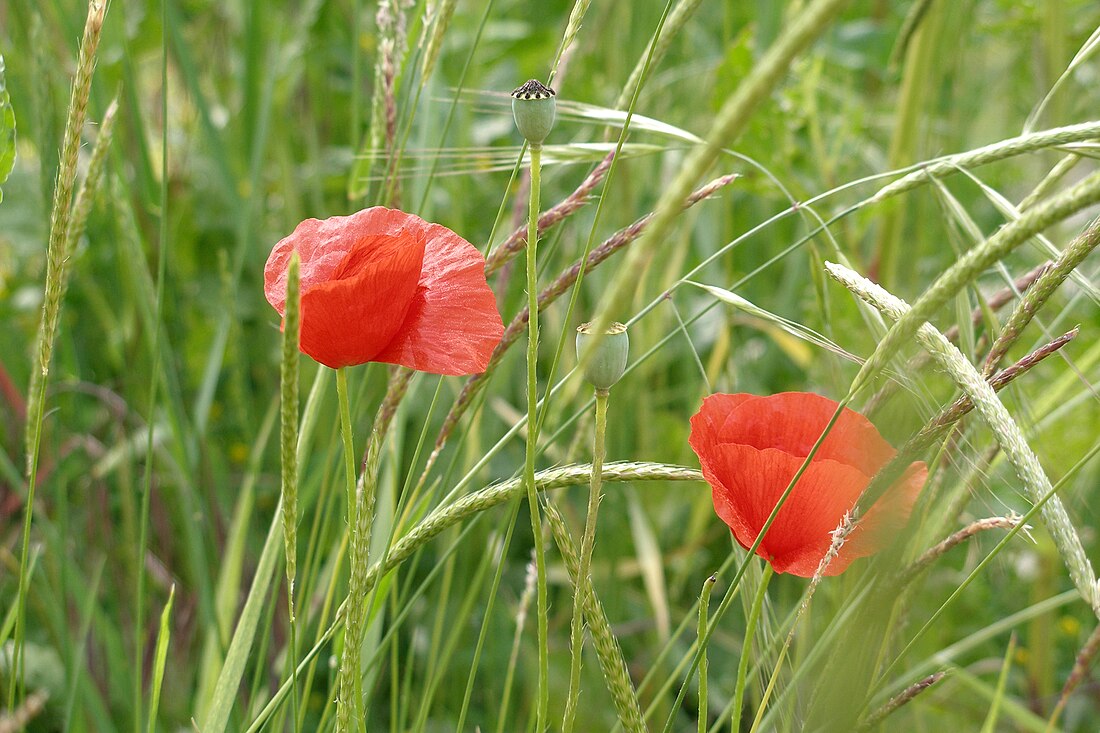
(533,106)
(606,365)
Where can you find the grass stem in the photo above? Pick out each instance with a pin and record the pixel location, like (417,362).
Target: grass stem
(701,632)
(347,704)
(51,311)
(746,648)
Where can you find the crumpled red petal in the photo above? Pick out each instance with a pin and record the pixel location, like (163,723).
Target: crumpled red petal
(323,244)
(747,483)
(751,447)
(793,421)
(384,285)
(453,324)
(350,318)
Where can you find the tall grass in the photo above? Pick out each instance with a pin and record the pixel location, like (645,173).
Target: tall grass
(944,149)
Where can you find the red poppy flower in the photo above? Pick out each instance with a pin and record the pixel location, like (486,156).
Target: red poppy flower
(383,285)
(750,448)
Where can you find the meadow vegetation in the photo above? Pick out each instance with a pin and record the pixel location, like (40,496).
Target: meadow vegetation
(890,204)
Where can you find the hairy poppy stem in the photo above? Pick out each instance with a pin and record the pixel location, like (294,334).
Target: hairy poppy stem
(584,568)
(532,433)
(345,434)
(360,587)
(746,647)
(347,703)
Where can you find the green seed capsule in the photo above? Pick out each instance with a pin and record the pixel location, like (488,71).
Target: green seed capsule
(533,106)
(606,366)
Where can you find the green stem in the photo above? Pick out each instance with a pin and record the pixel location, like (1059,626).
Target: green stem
(576,630)
(532,433)
(704,607)
(608,651)
(347,703)
(154,383)
(746,648)
(345,433)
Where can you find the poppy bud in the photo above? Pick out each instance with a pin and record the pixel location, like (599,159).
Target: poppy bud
(607,364)
(533,106)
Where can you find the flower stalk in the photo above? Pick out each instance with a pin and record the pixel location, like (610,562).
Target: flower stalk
(588,541)
(533,107)
(360,582)
(604,367)
(346,436)
(532,436)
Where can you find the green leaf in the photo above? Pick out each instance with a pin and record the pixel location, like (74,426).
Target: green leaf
(164,635)
(7,131)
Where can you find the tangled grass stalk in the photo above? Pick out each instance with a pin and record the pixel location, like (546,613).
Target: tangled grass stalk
(448,516)
(993,413)
(608,651)
(970,265)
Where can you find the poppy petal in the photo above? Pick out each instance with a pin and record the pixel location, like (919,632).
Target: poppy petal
(889,514)
(748,482)
(453,324)
(708,422)
(793,421)
(349,318)
(322,246)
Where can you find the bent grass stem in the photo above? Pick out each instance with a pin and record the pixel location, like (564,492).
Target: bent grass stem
(704,607)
